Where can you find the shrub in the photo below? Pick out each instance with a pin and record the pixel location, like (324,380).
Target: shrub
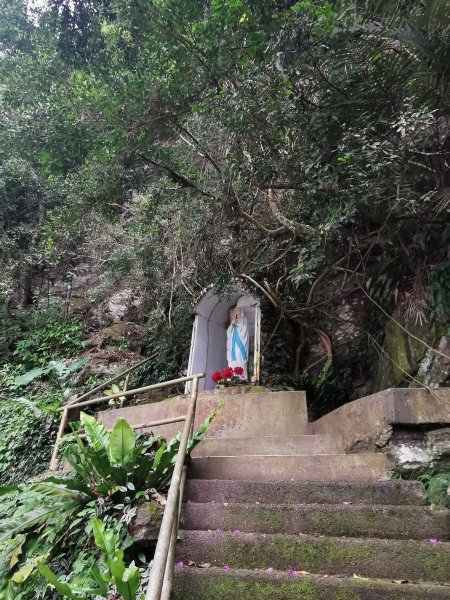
(112,471)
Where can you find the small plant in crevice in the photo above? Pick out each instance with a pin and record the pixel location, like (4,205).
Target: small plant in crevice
(324,391)
(437,484)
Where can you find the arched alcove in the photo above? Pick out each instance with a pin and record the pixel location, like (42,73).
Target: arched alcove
(209,333)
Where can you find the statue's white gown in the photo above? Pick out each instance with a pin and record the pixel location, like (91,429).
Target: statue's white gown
(237,345)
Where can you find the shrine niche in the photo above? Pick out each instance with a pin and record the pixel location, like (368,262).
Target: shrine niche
(214,314)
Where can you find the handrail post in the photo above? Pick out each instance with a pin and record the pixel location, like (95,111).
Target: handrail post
(170,565)
(62,425)
(158,569)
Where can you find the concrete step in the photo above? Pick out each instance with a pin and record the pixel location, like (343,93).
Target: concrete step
(270,446)
(385,559)
(311,492)
(398,522)
(216,584)
(318,467)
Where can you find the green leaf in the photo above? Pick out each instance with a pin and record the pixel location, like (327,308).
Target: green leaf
(78,364)
(96,433)
(59,586)
(126,580)
(27,377)
(106,540)
(98,578)
(121,443)
(13,526)
(8,489)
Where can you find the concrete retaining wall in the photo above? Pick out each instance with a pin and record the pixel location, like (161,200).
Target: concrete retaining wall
(242,414)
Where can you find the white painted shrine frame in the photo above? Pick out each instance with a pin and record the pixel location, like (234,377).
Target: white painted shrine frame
(208,341)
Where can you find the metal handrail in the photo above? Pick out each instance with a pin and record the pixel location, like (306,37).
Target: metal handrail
(161,571)
(112,380)
(77,400)
(147,388)
(169,421)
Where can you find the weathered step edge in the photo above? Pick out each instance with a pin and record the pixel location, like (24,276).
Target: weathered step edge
(313,492)
(321,467)
(384,559)
(241,415)
(396,522)
(307,492)
(270,445)
(216,584)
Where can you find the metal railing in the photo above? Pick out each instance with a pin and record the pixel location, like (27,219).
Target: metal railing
(161,574)
(75,403)
(162,569)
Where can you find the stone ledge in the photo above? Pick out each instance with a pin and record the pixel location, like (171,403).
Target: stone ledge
(368,423)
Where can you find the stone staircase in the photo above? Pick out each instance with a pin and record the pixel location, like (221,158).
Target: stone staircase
(259,436)
(265,497)
(343,541)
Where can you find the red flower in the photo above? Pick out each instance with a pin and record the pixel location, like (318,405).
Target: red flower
(216,376)
(238,371)
(227,373)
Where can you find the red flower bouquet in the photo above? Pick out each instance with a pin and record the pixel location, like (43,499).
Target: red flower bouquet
(229,376)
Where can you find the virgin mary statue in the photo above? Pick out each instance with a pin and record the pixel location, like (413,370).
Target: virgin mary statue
(237,342)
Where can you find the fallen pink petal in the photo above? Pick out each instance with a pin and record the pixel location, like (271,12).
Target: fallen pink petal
(226,568)
(236,532)
(269,570)
(180,565)
(433,541)
(292,571)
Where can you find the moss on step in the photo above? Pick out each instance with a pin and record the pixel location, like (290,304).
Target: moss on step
(353,521)
(394,559)
(231,588)
(214,584)
(290,552)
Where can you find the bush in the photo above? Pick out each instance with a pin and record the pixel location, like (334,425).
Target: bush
(53,518)
(26,440)
(45,336)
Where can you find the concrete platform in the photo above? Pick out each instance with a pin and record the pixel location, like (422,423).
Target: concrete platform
(319,467)
(270,446)
(242,414)
(315,492)
(240,584)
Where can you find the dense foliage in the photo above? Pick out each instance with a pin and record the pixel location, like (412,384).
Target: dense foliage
(52,521)
(142,139)
(156,146)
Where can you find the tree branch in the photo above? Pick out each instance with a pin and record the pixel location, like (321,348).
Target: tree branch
(292,226)
(174,176)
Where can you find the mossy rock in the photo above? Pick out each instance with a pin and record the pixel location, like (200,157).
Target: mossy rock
(144,528)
